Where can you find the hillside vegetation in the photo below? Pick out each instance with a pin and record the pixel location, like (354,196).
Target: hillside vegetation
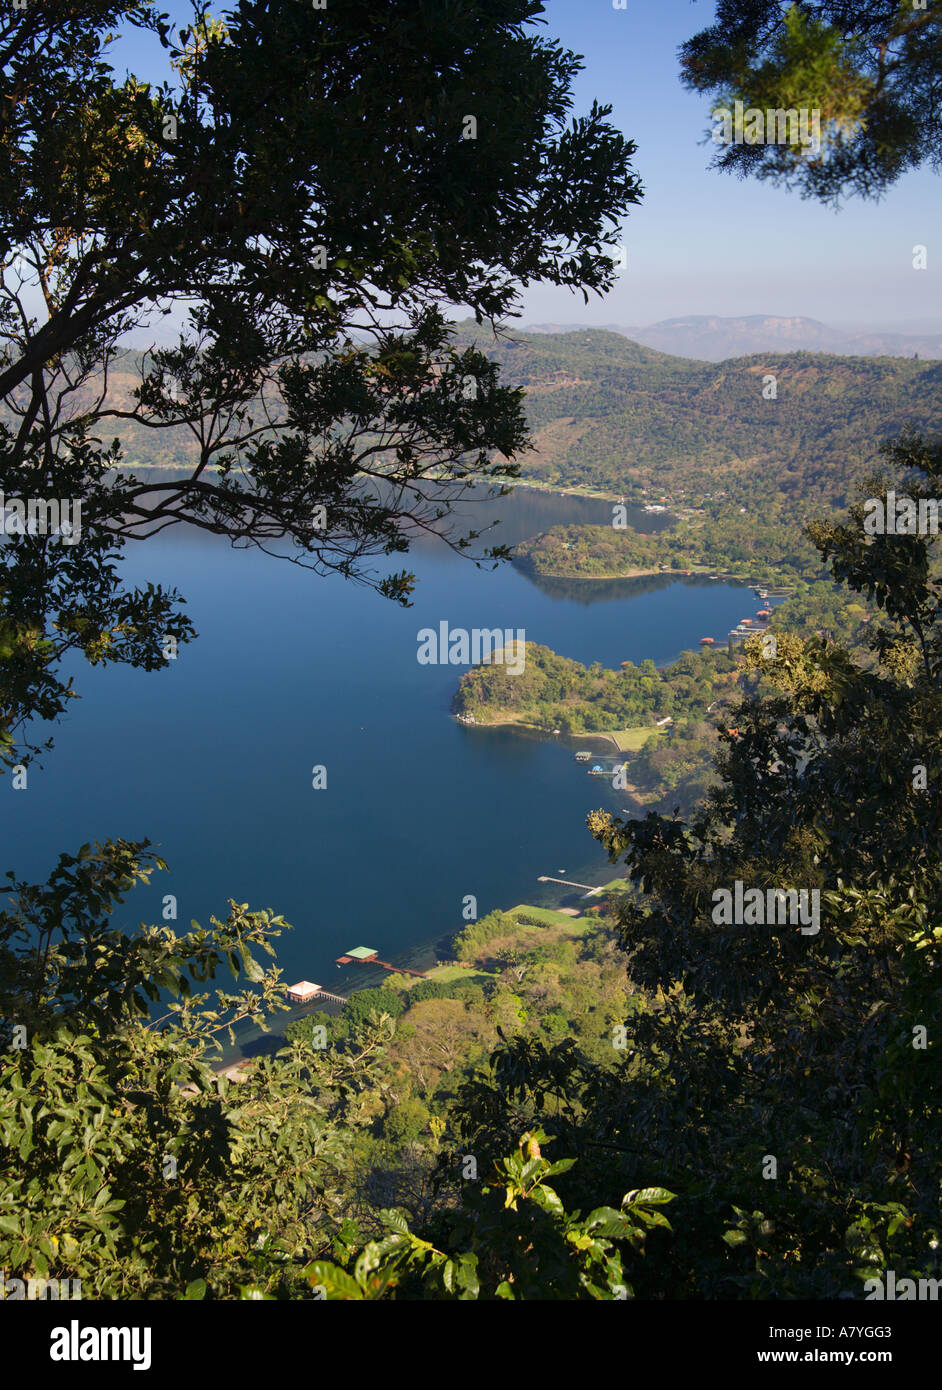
(729,544)
(607,412)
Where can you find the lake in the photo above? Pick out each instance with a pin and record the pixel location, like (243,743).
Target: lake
(212,758)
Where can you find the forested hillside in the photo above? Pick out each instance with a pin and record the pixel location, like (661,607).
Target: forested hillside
(606,412)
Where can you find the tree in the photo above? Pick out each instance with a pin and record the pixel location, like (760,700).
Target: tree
(128,1163)
(513,1240)
(443,1032)
(405,1122)
(805,1049)
(784,1085)
(870,68)
(315,394)
(365,1003)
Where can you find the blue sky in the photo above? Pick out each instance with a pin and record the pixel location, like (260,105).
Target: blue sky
(703,242)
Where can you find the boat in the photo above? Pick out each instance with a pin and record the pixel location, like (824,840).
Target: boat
(707,641)
(582,756)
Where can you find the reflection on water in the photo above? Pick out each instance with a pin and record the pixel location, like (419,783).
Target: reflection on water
(588,591)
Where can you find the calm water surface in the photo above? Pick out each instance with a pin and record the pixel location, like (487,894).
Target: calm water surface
(211,759)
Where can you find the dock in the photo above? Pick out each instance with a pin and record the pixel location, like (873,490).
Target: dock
(365,955)
(547,878)
(304,992)
(401,969)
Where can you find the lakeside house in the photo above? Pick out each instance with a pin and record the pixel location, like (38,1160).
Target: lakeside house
(358,954)
(303,992)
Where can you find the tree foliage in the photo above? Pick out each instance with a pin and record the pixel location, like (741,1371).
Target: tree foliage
(129,1163)
(784,1085)
(870,68)
(311,240)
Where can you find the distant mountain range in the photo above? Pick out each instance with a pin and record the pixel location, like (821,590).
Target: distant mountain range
(709,338)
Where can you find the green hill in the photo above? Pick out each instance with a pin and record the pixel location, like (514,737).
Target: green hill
(609,413)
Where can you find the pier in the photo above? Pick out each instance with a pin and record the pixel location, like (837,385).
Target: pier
(334,998)
(365,955)
(547,878)
(402,969)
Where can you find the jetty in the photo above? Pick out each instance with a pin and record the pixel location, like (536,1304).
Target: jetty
(334,998)
(306,993)
(365,955)
(547,878)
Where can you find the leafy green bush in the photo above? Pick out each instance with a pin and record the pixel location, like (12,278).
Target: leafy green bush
(364,1002)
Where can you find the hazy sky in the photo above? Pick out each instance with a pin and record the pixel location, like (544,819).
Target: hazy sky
(703,242)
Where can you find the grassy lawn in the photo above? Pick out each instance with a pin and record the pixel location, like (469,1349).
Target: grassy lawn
(616,885)
(526,935)
(633,739)
(566,926)
(444,974)
(543,914)
(441,974)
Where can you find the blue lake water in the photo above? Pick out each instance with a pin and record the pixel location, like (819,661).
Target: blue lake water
(212,758)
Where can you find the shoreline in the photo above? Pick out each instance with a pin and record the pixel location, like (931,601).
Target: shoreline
(660,569)
(238,1062)
(561,490)
(547,735)
(775,590)
(630,574)
(535,485)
